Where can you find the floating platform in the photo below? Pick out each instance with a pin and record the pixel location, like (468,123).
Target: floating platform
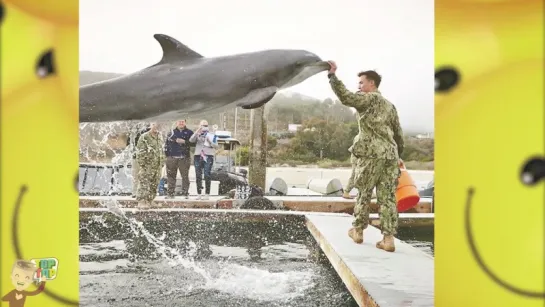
(296,203)
(375,277)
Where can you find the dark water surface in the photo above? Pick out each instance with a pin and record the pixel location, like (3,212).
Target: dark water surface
(208,261)
(419,237)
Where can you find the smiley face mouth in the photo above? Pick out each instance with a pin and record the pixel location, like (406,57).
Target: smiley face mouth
(20,283)
(19,253)
(480,261)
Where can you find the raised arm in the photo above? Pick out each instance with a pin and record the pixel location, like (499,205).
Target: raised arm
(37,291)
(193,138)
(398,133)
(359,101)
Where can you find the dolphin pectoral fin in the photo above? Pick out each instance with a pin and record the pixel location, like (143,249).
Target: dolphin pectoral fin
(174,51)
(257,98)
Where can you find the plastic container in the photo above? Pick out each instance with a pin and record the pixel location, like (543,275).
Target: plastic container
(406,194)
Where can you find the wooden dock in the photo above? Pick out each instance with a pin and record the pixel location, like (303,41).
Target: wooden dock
(295,203)
(405,219)
(417,217)
(375,277)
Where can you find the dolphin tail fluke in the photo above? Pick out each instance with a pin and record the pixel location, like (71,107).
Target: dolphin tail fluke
(174,51)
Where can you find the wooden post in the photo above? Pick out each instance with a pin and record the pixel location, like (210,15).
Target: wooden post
(258,147)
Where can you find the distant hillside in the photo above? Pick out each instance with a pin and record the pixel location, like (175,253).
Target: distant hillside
(88,77)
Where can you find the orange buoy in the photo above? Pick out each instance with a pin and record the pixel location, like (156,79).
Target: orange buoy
(406,194)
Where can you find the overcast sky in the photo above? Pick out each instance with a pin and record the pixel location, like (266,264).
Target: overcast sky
(395,37)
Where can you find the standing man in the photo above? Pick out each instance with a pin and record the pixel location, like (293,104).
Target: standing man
(377,149)
(178,158)
(132,142)
(150,159)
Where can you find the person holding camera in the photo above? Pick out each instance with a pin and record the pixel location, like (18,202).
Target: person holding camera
(205,150)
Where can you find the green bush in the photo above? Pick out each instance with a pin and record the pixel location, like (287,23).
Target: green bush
(243,156)
(271,142)
(327,163)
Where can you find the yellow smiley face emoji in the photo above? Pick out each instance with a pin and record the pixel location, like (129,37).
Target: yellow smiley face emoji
(490,147)
(39,141)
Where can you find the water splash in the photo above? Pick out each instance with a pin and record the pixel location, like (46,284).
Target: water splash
(262,285)
(228,278)
(172,255)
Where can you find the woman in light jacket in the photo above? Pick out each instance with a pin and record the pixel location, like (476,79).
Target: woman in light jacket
(205,151)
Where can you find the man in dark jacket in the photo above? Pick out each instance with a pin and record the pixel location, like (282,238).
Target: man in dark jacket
(178,158)
(132,142)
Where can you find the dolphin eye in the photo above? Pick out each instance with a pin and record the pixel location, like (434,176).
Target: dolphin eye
(45,66)
(446,79)
(533,171)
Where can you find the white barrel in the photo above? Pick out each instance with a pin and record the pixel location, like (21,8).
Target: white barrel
(330,187)
(277,186)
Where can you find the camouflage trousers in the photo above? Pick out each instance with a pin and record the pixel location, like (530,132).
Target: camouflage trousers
(350,186)
(148,181)
(382,174)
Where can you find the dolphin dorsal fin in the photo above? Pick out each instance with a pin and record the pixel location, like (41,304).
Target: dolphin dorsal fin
(174,51)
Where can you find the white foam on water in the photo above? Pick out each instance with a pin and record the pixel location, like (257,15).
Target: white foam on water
(261,285)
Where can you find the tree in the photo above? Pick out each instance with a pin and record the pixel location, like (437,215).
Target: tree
(323,138)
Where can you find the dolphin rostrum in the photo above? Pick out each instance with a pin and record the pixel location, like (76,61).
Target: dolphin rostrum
(186,83)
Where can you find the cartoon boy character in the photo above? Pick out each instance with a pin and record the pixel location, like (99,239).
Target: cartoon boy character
(22,276)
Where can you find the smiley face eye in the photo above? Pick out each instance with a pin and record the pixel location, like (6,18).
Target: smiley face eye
(45,66)
(2,12)
(446,79)
(17,275)
(533,171)
(27,278)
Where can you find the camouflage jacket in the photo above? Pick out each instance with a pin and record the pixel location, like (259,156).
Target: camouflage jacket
(149,150)
(380,134)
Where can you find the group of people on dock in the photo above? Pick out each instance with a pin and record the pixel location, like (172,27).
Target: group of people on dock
(152,152)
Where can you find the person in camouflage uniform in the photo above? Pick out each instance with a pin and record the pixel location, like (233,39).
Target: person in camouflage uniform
(350,185)
(150,158)
(377,149)
(132,141)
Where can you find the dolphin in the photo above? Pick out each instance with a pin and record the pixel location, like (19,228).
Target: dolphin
(184,83)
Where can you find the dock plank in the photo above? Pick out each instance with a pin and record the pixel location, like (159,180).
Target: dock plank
(295,203)
(375,277)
